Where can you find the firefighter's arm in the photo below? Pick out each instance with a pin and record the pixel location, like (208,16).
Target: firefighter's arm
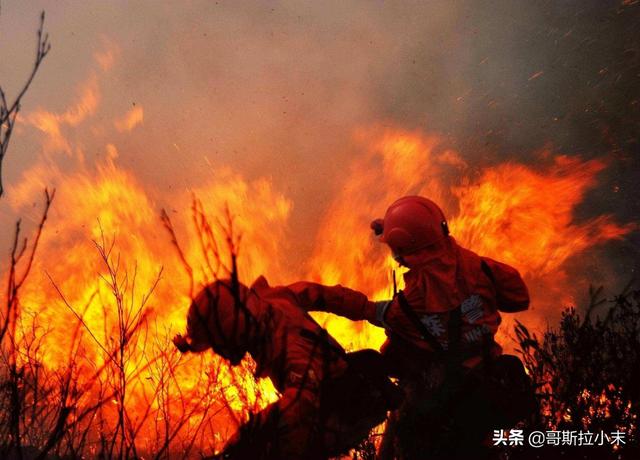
(186,344)
(512,294)
(389,313)
(338,299)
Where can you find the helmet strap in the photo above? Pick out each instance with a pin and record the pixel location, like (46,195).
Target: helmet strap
(398,258)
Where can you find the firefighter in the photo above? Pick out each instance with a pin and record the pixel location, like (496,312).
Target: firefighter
(440,338)
(330,399)
(455,294)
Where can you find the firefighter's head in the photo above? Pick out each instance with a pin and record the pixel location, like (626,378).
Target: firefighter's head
(411,224)
(219,318)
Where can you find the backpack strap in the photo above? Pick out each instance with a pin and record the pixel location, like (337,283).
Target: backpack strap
(322,339)
(454,352)
(455,330)
(419,325)
(487,271)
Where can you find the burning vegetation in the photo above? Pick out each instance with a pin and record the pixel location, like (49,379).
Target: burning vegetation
(93,297)
(586,373)
(88,368)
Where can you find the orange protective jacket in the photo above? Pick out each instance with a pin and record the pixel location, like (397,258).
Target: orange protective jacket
(297,355)
(443,278)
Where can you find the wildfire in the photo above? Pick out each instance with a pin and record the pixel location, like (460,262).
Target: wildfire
(108,210)
(513,212)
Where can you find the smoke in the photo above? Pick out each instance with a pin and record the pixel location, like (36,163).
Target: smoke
(276,90)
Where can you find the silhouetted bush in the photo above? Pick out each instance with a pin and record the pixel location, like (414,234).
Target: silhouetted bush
(587,376)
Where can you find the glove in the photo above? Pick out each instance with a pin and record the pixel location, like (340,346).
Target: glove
(181,343)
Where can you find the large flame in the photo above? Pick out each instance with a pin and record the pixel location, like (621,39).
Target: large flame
(71,286)
(515,213)
(521,214)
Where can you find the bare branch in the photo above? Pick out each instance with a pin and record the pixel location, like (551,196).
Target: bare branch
(15,281)
(166,221)
(9,111)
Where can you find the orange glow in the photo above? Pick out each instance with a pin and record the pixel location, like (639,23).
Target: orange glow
(524,217)
(130,120)
(52,124)
(109,207)
(513,212)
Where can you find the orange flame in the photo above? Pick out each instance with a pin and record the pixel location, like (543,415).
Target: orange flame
(520,214)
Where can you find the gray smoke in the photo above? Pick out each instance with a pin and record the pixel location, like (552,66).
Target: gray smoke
(281,87)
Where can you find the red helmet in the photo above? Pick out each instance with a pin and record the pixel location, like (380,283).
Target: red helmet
(218,316)
(411,223)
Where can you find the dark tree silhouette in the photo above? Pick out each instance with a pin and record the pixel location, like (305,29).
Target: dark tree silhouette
(9,110)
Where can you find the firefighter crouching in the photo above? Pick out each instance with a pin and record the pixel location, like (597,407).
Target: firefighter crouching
(440,339)
(330,399)
(446,319)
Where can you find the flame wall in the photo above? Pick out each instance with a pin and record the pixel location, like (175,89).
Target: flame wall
(307,120)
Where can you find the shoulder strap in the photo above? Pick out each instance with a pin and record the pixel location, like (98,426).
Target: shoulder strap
(419,325)
(487,271)
(455,330)
(322,339)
